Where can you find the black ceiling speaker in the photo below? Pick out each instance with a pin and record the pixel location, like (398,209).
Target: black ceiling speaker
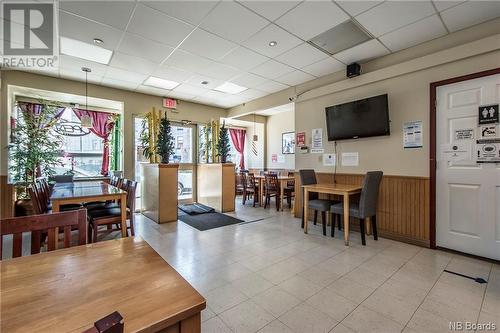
(353,70)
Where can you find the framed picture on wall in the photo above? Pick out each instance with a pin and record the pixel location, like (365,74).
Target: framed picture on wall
(288,143)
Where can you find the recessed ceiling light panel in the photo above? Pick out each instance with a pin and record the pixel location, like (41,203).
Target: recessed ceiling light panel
(160,83)
(230,88)
(76,48)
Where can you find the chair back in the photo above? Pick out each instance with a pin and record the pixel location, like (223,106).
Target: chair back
(64,178)
(131,189)
(307,177)
(244,179)
(271,180)
(35,224)
(39,204)
(369,193)
(291,183)
(251,180)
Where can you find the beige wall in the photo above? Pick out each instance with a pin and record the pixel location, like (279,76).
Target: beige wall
(134,103)
(276,125)
(408,100)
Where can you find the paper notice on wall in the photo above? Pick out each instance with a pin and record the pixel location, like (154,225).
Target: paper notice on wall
(350,159)
(317,150)
(317,138)
(329,159)
(489,131)
(456,152)
(488,151)
(412,134)
(464,134)
(300,139)
(274,158)
(281,159)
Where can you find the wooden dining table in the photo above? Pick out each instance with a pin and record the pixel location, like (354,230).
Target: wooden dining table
(69,289)
(282,180)
(338,189)
(80,192)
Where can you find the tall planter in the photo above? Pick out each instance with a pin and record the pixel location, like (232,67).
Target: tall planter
(223,146)
(165,147)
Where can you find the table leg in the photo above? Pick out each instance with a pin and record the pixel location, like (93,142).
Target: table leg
(306,209)
(346,219)
(123,206)
(282,194)
(261,194)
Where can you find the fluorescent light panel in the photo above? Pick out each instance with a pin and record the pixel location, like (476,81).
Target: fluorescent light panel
(78,49)
(230,88)
(160,83)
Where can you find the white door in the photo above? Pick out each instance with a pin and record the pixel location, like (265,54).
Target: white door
(467,193)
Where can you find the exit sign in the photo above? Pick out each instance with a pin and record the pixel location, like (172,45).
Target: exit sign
(170,103)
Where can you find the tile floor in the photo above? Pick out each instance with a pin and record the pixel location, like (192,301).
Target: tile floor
(268,276)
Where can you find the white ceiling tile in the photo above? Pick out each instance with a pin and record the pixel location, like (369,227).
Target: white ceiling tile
(196,80)
(179,95)
(413,34)
(139,65)
(212,95)
(243,58)
(84,30)
(260,41)
(152,90)
(158,26)
(357,7)
(188,62)
(270,9)
(76,64)
(79,76)
(301,56)
(392,15)
(113,13)
(470,13)
(232,21)
(311,18)
(445,4)
(190,11)
(115,83)
(208,45)
(324,67)
(295,78)
(220,71)
(272,69)
(172,74)
(249,80)
(252,93)
(363,52)
(189,89)
(144,48)
(125,75)
(271,86)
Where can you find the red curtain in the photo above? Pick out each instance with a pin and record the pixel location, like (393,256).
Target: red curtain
(238,138)
(102,126)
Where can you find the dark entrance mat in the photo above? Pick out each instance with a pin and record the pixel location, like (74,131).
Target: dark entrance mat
(195,209)
(208,221)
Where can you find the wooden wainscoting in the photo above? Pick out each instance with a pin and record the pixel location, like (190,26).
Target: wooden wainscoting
(403,211)
(6,198)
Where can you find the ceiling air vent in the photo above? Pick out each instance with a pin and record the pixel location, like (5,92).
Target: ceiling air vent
(339,38)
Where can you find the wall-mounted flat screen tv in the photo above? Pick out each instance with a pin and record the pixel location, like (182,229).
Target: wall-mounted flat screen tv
(359,119)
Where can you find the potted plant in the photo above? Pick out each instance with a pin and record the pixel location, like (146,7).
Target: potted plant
(165,144)
(223,145)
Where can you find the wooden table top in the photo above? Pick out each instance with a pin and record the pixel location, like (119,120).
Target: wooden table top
(279,177)
(327,188)
(68,290)
(95,190)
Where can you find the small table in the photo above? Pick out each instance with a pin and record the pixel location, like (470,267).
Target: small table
(77,193)
(69,289)
(338,189)
(281,179)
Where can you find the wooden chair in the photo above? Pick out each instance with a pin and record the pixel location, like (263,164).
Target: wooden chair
(272,189)
(250,188)
(112,216)
(290,189)
(49,223)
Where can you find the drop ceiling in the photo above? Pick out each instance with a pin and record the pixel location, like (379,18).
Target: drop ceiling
(227,41)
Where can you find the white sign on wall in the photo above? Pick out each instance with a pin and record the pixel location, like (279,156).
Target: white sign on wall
(317,138)
(456,152)
(412,134)
(329,159)
(350,159)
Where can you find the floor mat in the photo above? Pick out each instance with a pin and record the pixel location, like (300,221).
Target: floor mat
(208,221)
(195,209)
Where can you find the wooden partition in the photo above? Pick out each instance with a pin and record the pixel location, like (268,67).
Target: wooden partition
(7,198)
(403,205)
(159,191)
(216,185)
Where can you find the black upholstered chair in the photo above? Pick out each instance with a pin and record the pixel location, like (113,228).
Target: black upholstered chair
(308,177)
(366,206)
